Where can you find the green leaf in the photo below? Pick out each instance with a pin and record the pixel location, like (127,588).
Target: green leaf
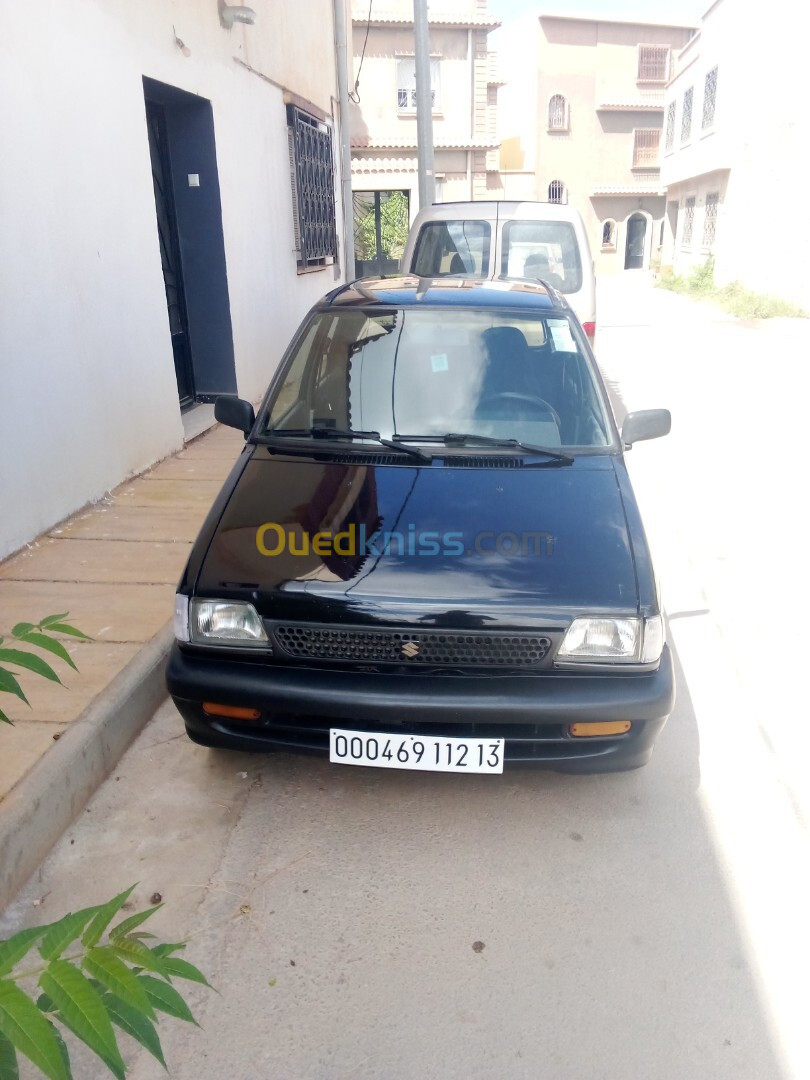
(13,949)
(45,1004)
(135,1024)
(21,629)
(114,975)
(60,1042)
(127,925)
(4,719)
(30,661)
(136,953)
(182,969)
(27,1029)
(9,1069)
(166,949)
(61,934)
(66,628)
(42,641)
(106,914)
(9,685)
(166,998)
(82,1010)
(49,620)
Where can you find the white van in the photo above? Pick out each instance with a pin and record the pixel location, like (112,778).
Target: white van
(507,239)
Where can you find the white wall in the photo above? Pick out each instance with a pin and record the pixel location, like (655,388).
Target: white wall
(87,384)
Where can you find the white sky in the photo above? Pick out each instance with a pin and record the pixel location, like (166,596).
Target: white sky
(679,11)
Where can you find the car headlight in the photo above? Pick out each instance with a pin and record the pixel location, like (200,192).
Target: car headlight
(224,622)
(600,640)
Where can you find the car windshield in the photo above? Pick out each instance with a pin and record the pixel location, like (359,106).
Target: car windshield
(544,250)
(452,247)
(433,371)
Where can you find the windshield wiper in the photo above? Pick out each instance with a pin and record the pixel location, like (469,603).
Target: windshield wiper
(321,431)
(460,438)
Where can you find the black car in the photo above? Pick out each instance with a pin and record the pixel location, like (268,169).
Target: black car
(429,554)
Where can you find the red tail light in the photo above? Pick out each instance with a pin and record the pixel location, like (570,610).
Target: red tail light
(590,329)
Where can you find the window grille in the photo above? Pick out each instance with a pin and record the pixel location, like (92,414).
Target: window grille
(645,148)
(313,189)
(406,84)
(709,96)
(653,63)
(670,124)
(558,113)
(688,222)
(710,219)
(556,191)
(686,118)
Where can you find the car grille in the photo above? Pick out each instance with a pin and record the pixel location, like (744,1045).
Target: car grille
(414,648)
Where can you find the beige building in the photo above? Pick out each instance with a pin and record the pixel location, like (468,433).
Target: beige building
(169,210)
(383,118)
(735,151)
(599,89)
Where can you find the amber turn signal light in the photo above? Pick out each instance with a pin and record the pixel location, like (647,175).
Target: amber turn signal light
(234,712)
(618,727)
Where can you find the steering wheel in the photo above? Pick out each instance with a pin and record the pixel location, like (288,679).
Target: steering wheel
(536,402)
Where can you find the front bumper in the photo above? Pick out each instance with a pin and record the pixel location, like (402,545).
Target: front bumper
(298,706)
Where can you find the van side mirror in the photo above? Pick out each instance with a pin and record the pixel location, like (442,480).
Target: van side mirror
(234,412)
(645,424)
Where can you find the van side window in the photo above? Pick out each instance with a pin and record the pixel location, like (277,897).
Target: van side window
(543,250)
(452,247)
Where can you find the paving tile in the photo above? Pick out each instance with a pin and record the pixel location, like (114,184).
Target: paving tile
(98,663)
(170,493)
(128,613)
(126,561)
(181,467)
(128,522)
(23,746)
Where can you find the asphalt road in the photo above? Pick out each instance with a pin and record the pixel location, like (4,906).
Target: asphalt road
(644,926)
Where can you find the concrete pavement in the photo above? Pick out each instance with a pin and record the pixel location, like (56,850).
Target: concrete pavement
(114,568)
(645,926)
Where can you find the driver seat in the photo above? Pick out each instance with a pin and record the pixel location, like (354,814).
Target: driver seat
(506,370)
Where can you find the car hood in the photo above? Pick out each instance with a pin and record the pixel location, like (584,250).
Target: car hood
(551,541)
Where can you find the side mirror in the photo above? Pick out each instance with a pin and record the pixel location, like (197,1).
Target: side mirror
(234,412)
(645,424)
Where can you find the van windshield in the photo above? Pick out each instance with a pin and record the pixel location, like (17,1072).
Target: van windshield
(506,375)
(545,250)
(452,247)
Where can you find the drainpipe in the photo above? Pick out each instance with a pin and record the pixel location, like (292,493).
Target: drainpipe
(342,56)
(472,108)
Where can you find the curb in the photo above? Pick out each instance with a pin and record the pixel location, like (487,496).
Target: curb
(41,807)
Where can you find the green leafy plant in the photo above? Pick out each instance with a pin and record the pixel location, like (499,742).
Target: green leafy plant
(40,636)
(393,229)
(88,979)
(734,297)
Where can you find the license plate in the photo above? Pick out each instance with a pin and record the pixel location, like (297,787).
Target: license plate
(428,753)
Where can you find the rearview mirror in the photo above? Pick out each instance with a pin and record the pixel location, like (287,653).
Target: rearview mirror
(645,424)
(234,412)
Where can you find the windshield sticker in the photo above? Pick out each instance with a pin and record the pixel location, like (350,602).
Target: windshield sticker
(561,336)
(439,362)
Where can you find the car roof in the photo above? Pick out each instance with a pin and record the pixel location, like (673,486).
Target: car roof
(410,291)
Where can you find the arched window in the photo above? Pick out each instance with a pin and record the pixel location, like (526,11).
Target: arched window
(556,191)
(609,233)
(558,113)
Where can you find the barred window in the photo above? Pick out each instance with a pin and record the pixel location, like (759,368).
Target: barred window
(686,118)
(313,189)
(406,84)
(688,222)
(645,148)
(558,113)
(670,124)
(710,219)
(709,96)
(556,191)
(609,233)
(653,63)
